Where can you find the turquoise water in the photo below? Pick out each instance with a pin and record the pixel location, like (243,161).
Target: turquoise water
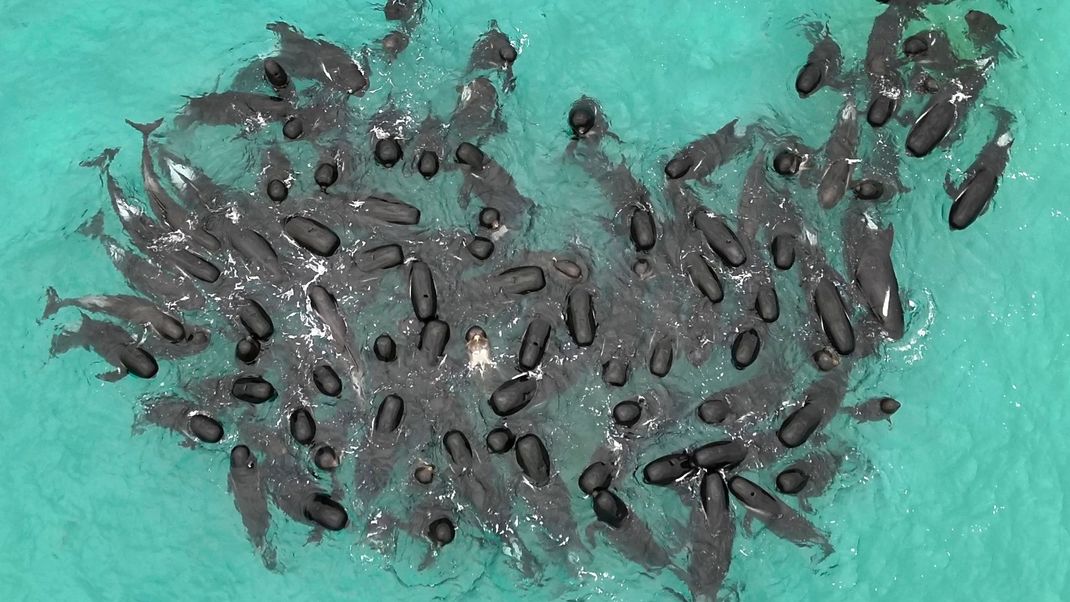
(963,497)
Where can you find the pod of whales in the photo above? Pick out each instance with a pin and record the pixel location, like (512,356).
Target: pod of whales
(341,396)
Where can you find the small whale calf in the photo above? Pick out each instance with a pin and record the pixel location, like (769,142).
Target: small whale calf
(246,484)
(330,65)
(822,65)
(113,344)
(981,181)
(494,51)
(700,158)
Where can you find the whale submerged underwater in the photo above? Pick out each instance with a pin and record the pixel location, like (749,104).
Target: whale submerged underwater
(389,340)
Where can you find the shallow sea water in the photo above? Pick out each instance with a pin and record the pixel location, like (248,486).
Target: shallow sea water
(963,498)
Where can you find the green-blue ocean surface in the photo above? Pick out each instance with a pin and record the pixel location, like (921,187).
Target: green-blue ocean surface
(963,497)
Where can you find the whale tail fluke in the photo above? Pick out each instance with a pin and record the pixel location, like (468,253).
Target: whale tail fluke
(94,228)
(101,161)
(146,129)
(52,303)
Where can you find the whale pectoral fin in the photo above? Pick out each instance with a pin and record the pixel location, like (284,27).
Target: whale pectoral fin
(111,377)
(707,183)
(499,126)
(243,135)
(94,228)
(679,532)
(315,537)
(138,426)
(906,118)
(570,150)
(809,177)
(464,196)
(607,225)
(949,186)
(748,524)
(589,534)
(428,560)
(64,341)
(337,492)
